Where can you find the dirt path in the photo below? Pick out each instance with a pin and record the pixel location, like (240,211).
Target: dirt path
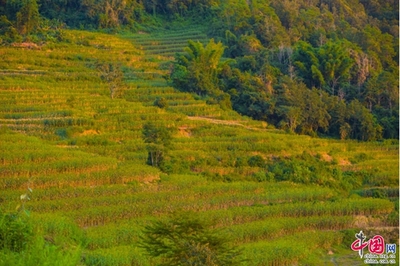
(222,122)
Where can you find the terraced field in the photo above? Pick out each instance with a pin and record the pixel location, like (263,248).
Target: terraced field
(83,155)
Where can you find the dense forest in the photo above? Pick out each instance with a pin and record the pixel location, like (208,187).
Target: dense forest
(317,67)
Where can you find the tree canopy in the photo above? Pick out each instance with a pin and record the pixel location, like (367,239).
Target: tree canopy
(345,52)
(158,139)
(186,239)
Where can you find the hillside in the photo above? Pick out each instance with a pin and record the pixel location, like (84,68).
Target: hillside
(82,154)
(316,67)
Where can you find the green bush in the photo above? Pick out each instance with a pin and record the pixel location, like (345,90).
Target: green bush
(41,252)
(241,162)
(161,102)
(393,217)
(188,240)
(261,177)
(15,232)
(256,161)
(306,169)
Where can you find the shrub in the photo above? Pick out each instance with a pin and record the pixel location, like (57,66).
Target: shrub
(185,239)
(15,232)
(161,102)
(261,177)
(240,162)
(306,169)
(256,161)
(158,139)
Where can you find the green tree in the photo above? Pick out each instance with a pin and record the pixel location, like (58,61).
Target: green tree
(28,17)
(344,131)
(316,116)
(292,117)
(291,104)
(335,64)
(196,70)
(267,25)
(362,67)
(307,64)
(8,33)
(382,91)
(249,93)
(325,66)
(301,109)
(187,240)
(378,44)
(112,75)
(389,83)
(337,109)
(158,139)
(363,124)
(109,13)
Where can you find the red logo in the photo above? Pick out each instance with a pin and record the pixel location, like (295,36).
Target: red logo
(376,245)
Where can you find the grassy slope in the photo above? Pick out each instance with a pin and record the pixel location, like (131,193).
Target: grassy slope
(83,155)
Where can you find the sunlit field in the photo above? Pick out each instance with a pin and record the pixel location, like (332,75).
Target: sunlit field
(284,199)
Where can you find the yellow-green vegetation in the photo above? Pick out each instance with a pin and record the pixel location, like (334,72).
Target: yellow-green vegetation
(284,199)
